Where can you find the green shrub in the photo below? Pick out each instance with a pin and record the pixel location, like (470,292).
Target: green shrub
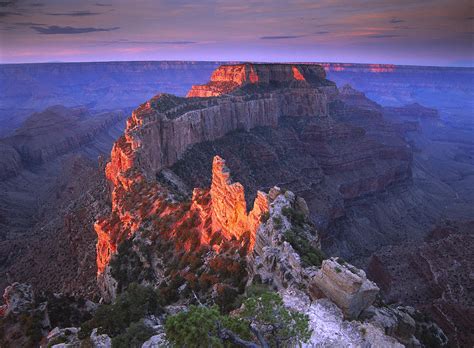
(277,222)
(341,261)
(277,326)
(57,340)
(296,217)
(130,306)
(126,266)
(135,335)
(310,256)
(199,327)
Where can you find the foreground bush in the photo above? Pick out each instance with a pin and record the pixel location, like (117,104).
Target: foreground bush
(129,307)
(263,322)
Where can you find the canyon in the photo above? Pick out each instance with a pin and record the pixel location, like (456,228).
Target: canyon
(352,160)
(376,180)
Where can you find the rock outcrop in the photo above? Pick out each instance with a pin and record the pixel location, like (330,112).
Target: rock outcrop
(227,78)
(274,261)
(161,130)
(434,275)
(287,255)
(18,298)
(229,208)
(330,329)
(220,210)
(346,286)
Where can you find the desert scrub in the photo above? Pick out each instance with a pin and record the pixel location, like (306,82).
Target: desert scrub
(310,256)
(277,222)
(296,217)
(264,217)
(129,307)
(264,314)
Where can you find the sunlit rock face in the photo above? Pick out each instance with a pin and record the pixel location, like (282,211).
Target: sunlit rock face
(227,78)
(218,211)
(161,130)
(229,209)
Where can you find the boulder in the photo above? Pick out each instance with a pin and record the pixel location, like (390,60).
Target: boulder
(100,341)
(18,298)
(346,286)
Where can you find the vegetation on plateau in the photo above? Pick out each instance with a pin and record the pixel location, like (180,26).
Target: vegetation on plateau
(263,321)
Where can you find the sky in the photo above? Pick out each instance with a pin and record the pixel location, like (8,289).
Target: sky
(415,32)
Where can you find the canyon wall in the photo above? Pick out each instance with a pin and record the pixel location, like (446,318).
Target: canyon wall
(58,130)
(160,131)
(227,78)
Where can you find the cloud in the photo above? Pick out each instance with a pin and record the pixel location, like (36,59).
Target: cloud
(102,5)
(137,42)
(6,3)
(322,32)
(50,30)
(396,20)
(75,13)
(382,36)
(28,24)
(36,4)
(281,37)
(9,13)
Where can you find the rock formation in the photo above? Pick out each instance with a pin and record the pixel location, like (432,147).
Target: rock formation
(274,260)
(229,208)
(227,78)
(346,286)
(161,130)
(18,298)
(221,209)
(58,130)
(430,275)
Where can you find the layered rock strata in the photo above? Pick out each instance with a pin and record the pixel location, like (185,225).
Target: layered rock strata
(58,130)
(227,78)
(220,210)
(229,208)
(161,130)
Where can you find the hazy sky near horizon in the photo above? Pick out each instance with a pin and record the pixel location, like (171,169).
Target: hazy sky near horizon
(419,32)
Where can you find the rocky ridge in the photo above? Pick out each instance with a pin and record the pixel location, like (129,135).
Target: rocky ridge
(72,128)
(161,130)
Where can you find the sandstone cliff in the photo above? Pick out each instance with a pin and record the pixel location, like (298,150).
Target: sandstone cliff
(303,118)
(161,130)
(218,212)
(227,78)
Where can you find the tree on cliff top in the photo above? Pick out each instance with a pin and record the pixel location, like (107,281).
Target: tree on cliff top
(263,322)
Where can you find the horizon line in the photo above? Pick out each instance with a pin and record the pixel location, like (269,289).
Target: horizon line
(234,62)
